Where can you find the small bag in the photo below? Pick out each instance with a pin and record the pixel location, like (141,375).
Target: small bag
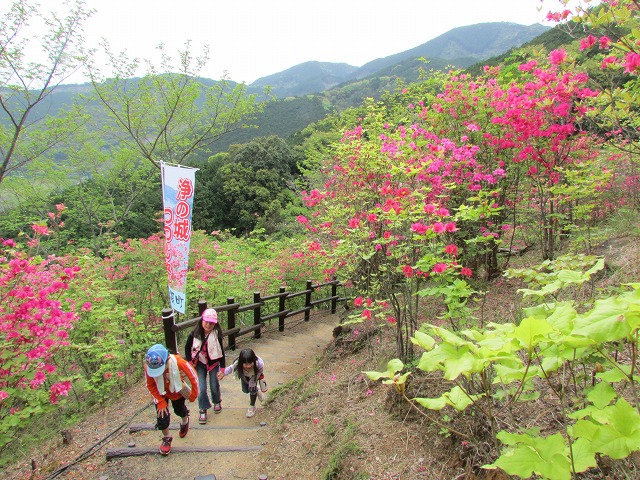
(186,390)
(263,384)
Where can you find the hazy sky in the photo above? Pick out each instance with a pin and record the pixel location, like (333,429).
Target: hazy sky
(253,38)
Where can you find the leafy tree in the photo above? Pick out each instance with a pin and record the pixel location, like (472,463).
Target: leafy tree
(27,132)
(169,115)
(251,185)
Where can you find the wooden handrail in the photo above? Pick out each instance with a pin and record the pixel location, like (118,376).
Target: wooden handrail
(233,308)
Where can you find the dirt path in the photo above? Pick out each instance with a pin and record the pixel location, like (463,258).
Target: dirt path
(235,439)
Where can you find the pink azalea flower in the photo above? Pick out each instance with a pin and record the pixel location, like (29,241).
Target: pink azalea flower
(605,42)
(588,42)
(429,208)
(419,228)
(556,57)
(451,249)
(358,301)
(466,272)
(631,62)
(438,227)
(439,267)
(450,227)
(407,270)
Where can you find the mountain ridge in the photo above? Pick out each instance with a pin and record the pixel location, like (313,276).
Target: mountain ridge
(459,47)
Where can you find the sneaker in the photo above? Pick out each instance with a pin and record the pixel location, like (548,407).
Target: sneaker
(203,417)
(165,446)
(217,408)
(251,412)
(184,428)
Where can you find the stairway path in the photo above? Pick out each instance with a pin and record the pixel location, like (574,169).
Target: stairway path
(233,440)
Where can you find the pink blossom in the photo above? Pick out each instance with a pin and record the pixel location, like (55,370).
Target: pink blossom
(392,320)
(429,208)
(366,314)
(466,272)
(358,301)
(556,57)
(588,42)
(419,228)
(302,219)
(438,227)
(86,306)
(631,62)
(451,249)
(527,67)
(40,229)
(605,42)
(369,392)
(407,270)
(609,61)
(450,227)
(439,268)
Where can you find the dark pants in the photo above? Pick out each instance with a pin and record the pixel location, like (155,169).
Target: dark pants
(253,392)
(179,408)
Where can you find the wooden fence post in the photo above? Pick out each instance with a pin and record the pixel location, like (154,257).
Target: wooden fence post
(307,301)
(256,314)
(282,301)
(168,321)
(334,295)
(231,321)
(202,306)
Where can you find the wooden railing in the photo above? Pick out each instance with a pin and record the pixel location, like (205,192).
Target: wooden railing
(233,309)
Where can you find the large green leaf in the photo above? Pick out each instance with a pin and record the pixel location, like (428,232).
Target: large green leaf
(605,322)
(617,432)
(456,397)
(531,331)
(423,340)
(544,456)
(393,366)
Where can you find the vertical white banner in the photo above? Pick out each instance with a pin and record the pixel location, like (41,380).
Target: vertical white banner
(178,188)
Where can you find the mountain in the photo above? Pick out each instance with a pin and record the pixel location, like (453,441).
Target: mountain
(308,77)
(309,91)
(460,47)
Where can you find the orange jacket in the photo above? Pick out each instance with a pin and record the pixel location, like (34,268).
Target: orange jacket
(161,400)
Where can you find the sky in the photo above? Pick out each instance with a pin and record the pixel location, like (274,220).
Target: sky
(250,39)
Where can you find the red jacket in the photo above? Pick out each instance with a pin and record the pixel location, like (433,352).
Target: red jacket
(161,400)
